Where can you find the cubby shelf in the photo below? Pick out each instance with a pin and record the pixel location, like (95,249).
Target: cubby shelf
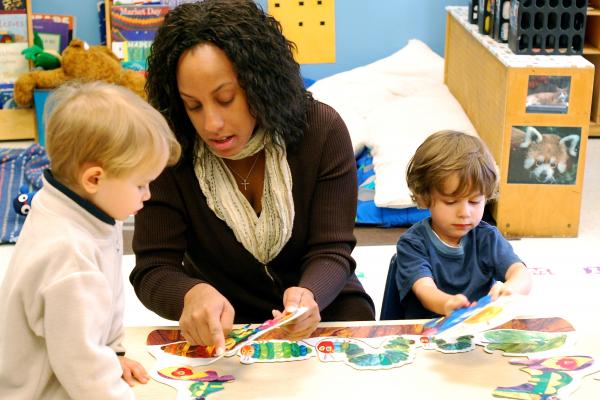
(492,83)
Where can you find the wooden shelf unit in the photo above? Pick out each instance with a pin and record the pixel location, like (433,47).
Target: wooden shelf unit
(491,84)
(591,51)
(19,124)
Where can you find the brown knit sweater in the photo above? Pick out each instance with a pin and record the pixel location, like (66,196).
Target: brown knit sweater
(179,242)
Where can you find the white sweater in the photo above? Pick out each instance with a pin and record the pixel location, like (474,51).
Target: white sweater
(61,304)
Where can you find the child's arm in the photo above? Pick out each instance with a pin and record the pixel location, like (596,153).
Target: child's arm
(517,281)
(133,371)
(436,300)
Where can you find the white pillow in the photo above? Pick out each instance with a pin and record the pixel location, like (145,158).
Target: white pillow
(398,128)
(358,92)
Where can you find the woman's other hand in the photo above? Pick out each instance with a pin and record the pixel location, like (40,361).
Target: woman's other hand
(207,317)
(293,298)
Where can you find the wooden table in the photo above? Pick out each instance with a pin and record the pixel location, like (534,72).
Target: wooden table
(465,376)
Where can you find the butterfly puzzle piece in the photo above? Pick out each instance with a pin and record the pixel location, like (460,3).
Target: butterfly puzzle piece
(551,378)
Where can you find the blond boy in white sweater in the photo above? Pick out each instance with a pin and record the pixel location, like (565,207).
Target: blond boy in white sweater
(61,300)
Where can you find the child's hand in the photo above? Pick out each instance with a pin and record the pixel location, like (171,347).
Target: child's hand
(132,371)
(455,302)
(500,289)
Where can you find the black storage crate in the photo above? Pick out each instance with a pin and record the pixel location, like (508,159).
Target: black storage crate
(484,17)
(544,27)
(501,14)
(473,11)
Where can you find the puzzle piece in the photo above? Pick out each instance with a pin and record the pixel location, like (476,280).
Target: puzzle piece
(551,378)
(183,352)
(461,344)
(190,382)
(274,351)
(485,314)
(395,351)
(513,342)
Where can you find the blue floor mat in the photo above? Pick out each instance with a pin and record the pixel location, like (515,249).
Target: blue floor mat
(367,213)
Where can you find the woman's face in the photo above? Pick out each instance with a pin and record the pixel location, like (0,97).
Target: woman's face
(214,101)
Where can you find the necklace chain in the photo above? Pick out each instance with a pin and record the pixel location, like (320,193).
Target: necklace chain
(245,182)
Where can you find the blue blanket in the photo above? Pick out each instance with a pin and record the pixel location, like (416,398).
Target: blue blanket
(367,213)
(18,167)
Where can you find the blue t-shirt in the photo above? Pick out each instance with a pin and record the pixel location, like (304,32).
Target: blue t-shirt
(482,257)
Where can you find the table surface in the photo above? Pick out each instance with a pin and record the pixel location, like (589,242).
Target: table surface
(471,375)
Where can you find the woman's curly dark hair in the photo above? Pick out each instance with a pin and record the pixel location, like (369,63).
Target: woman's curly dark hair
(260,54)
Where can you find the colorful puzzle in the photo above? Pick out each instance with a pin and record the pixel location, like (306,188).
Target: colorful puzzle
(545,356)
(178,363)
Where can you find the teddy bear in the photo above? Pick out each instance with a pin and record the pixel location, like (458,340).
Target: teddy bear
(79,62)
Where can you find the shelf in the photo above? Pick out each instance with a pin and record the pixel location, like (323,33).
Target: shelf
(594,129)
(589,49)
(492,86)
(17,124)
(593,12)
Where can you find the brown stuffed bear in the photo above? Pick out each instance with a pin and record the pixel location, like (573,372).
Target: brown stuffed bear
(79,62)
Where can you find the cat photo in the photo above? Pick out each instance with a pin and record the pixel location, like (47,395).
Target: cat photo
(548,94)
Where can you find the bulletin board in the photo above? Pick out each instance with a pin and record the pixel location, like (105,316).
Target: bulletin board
(310,25)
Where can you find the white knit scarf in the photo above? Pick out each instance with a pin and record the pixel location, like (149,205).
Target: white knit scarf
(264,236)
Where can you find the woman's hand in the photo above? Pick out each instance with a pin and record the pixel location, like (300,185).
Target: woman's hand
(133,371)
(455,302)
(206,318)
(293,298)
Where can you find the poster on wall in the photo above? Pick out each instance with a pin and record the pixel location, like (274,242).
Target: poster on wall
(544,155)
(548,94)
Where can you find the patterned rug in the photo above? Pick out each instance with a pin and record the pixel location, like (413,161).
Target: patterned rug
(19,169)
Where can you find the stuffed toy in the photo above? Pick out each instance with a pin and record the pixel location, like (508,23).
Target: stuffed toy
(79,62)
(22,203)
(41,58)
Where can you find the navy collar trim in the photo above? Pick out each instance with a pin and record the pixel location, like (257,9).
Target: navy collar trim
(441,246)
(86,205)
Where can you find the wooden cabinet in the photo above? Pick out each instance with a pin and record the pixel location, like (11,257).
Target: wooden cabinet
(591,51)
(493,86)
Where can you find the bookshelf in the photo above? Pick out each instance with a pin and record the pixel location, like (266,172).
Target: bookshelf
(19,124)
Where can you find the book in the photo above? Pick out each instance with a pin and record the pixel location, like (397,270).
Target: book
(12,62)
(13,26)
(6,95)
(56,31)
(136,23)
(13,5)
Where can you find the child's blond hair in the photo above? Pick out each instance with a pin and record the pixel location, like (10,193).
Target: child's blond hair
(450,152)
(106,124)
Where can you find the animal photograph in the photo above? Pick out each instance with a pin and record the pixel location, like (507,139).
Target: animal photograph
(544,155)
(548,94)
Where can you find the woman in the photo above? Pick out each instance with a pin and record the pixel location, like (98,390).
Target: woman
(258,216)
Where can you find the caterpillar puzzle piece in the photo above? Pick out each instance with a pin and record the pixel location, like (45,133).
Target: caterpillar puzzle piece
(274,351)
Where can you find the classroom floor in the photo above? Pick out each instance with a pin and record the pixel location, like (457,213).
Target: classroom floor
(566,270)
